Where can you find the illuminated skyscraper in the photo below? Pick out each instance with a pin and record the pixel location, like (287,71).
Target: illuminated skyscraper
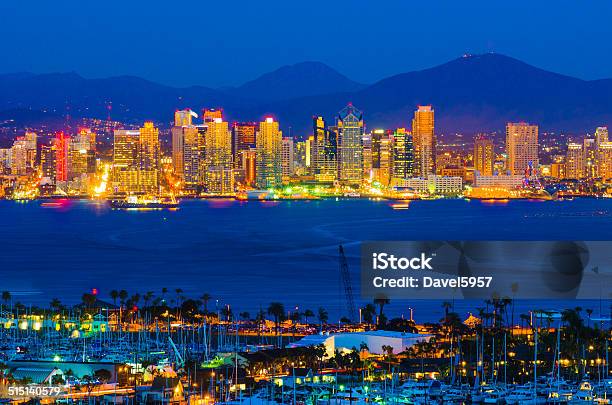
(574,161)
(605,160)
(219,178)
(149,156)
(324,151)
(125,160)
(484,155)
(590,155)
(350,145)
(62,143)
(287,158)
(403,156)
(211,114)
(183,122)
(269,155)
(601,135)
(47,162)
(243,139)
(424,141)
(184,118)
(192,156)
(522,148)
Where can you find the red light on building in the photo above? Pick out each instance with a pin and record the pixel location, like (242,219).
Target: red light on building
(94,291)
(61,156)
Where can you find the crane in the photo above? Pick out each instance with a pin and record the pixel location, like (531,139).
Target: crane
(345,275)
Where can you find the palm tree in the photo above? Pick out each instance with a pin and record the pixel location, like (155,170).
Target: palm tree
(307,314)
(122,297)
(6,297)
(114,294)
(323,316)
(164,292)
(367,313)
(178,292)
(205,298)
(381,302)
(277,310)
(55,304)
(147,298)
(89,300)
(245,316)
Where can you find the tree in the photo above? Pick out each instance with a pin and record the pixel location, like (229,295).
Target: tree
(245,316)
(367,313)
(205,298)
(55,304)
(89,300)
(308,314)
(322,316)
(6,297)
(122,297)
(277,310)
(381,302)
(114,294)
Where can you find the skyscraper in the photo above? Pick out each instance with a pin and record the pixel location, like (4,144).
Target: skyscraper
(403,156)
(287,159)
(149,154)
(605,160)
(574,161)
(350,145)
(219,178)
(61,157)
(324,152)
(601,135)
(269,159)
(210,114)
(182,119)
(424,140)
(522,148)
(191,156)
(125,160)
(484,156)
(243,139)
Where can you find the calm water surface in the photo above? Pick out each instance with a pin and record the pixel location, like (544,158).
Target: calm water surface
(251,253)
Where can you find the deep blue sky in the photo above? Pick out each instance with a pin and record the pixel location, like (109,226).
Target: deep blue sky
(225,42)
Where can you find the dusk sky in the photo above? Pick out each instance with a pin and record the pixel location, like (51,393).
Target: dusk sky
(217,43)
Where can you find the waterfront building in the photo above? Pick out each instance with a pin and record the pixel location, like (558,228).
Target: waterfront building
(522,148)
(149,155)
(558,170)
(590,152)
(350,129)
(403,156)
(249,158)
(219,176)
(324,154)
(287,157)
(183,122)
(125,160)
(424,140)
(19,157)
(184,118)
(433,184)
(47,162)
(62,143)
(574,161)
(499,181)
(605,161)
(601,136)
(243,139)
(192,156)
(269,150)
(484,155)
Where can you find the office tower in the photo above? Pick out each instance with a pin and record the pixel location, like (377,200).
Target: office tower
(125,160)
(372,150)
(324,151)
(149,156)
(86,138)
(248,165)
(574,161)
(192,156)
(310,152)
(287,158)
(522,148)
(81,160)
(590,152)
(350,145)
(184,118)
(219,178)
(269,160)
(403,156)
(19,157)
(601,136)
(424,141)
(243,139)
(605,160)
(47,162)
(378,156)
(211,114)
(484,155)
(62,143)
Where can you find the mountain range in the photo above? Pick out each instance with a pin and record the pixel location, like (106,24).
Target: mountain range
(470,94)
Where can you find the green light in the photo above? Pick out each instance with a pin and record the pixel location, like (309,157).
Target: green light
(341,388)
(57,358)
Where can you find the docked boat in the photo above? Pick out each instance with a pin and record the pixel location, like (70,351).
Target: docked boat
(144,202)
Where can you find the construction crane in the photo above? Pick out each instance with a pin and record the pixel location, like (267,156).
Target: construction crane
(348,287)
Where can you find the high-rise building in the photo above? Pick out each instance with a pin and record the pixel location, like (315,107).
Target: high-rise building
(350,145)
(522,148)
(219,177)
(184,118)
(601,135)
(269,151)
(249,157)
(243,139)
(424,141)
(378,157)
(323,161)
(484,155)
(287,158)
(211,114)
(62,143)
(149,156)
(47,162)
(403,156)
(126,160)
(605,160)
(590,155)
(574,161)
(192,155)
(183,122)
